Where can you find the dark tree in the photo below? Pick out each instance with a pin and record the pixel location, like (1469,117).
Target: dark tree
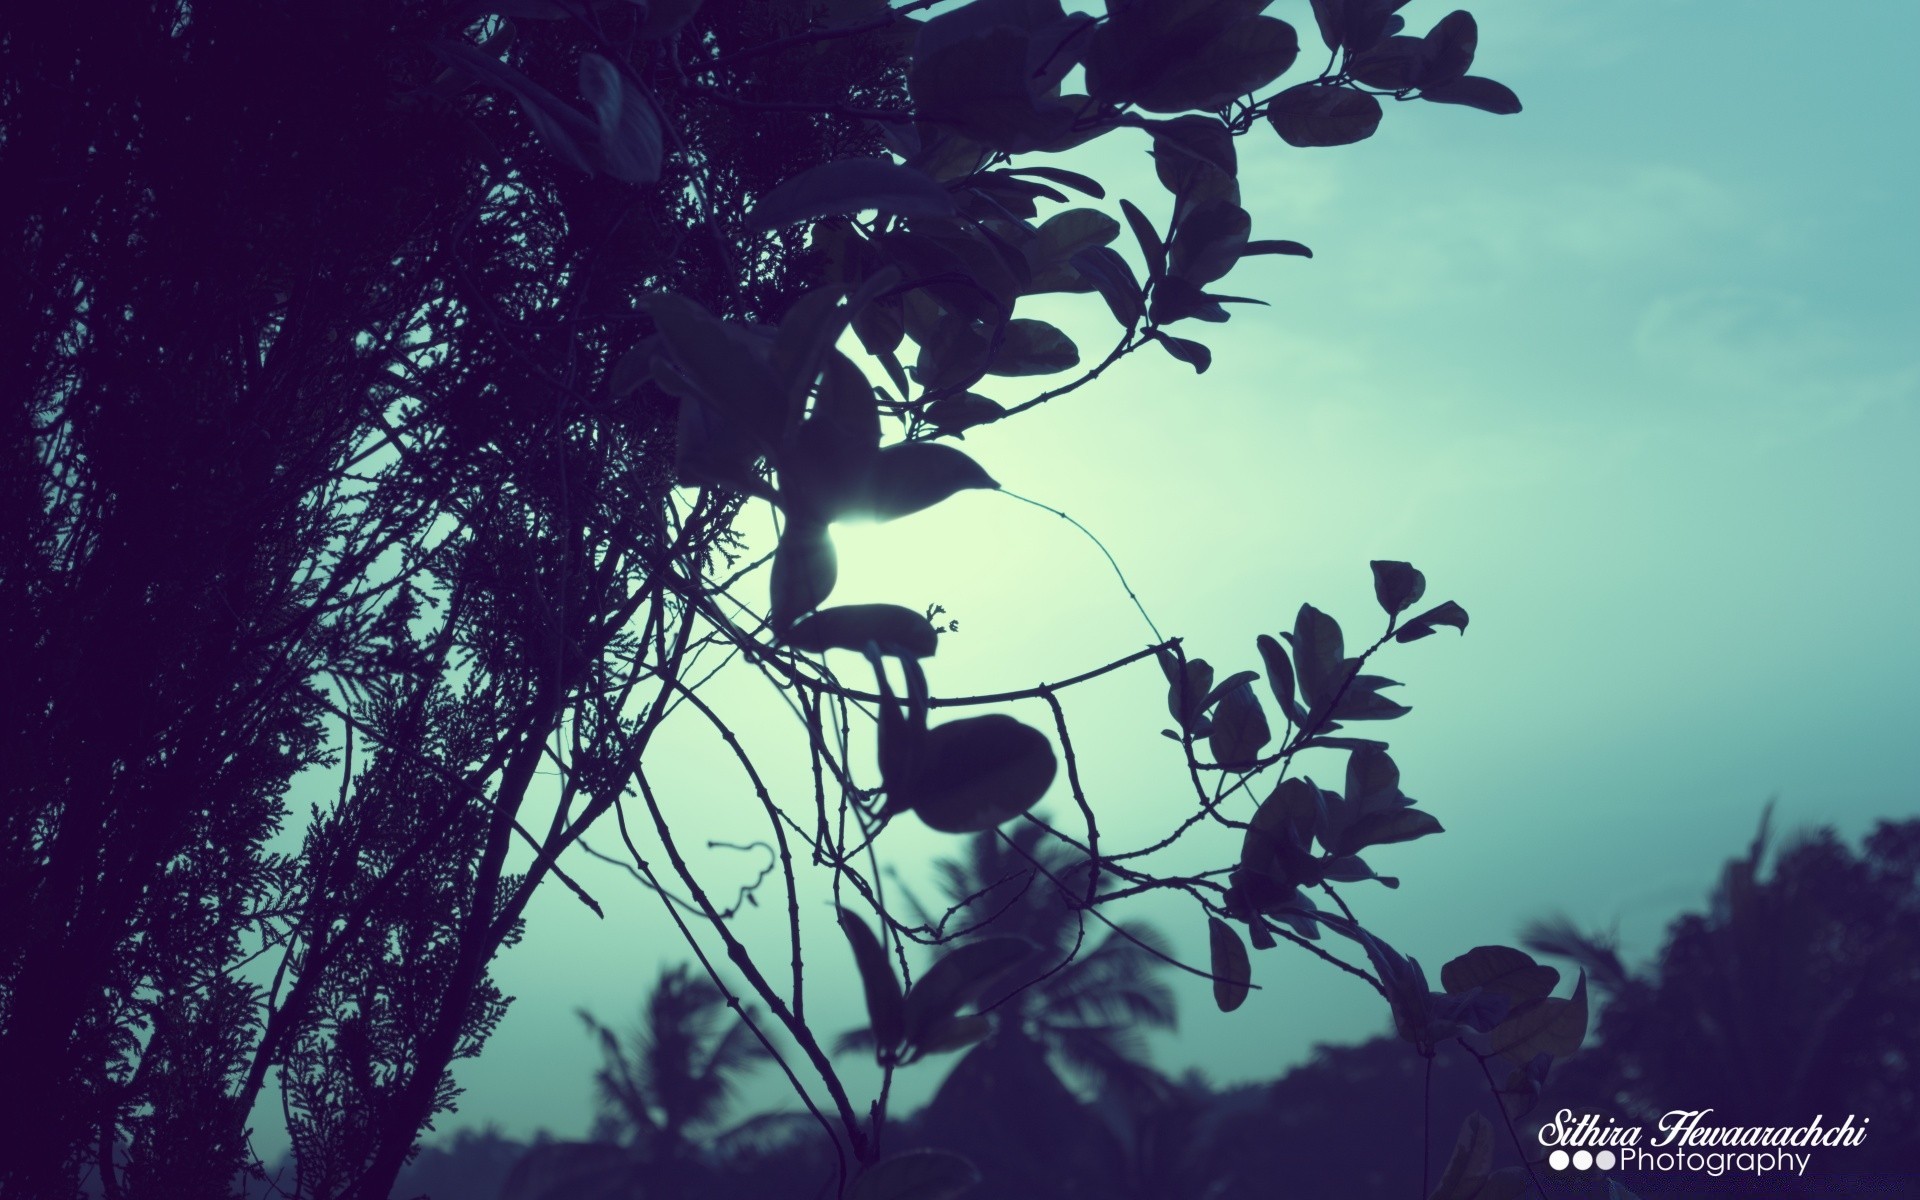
(385,384)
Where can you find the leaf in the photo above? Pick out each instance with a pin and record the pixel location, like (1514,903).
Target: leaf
(1072,179)
(1318,650)
(910,476)
(1231,970)
(1475,92)
(1471,1163)
(1326,15)
(1396,585)
(1066,234)
(1114,280)
(1208,241)
(1444,613)
(1501,969)
(1394,65)
(959,979)
(630,140)
(564,128)
(724,371)
(1450,46)
(955,413)
(924,1174)
(885,1005)
(804,569)
(1190,150)
(1239,729)
(956,1033)
(894,629)
(1187,690)
(1276,246)
(1315,114)
(1030,347)
(1194,354)
(1280,677)
(1381,829)
(1235,62)
(1362,701)
(978,772)
(1149,238)
(847,186)
(1547,1026)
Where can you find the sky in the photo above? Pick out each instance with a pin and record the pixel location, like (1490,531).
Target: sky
(1633,376)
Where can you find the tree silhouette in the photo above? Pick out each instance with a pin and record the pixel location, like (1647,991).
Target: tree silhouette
(663,1093)
(1789,996)
(1083,1008)
(389,385)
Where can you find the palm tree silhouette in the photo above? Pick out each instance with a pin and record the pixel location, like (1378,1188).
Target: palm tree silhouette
(663,1091)
(1793,994)
(1082,1008)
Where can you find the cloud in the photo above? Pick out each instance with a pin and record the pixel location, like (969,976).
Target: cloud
(1794,367)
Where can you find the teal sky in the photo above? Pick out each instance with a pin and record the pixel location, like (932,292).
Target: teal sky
(1632,376)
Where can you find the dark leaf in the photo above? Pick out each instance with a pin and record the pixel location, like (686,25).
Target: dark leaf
(1445,613)
(1394,65)
(851,185)
(1231,970)
(955,413)
(1149,238)
(1471,1163)
(1450,45)
(1239,729)
(892,628)
(1066,234)
(911,476)
(804,569)
(1400,825)
(1501,969)
(1397,585)
(916,1175)
(1315,114)
(1187,350)
(959,979)
(630,145)
(1280,677)
(1276,247)
(665,17)
(1188,149)
(1362,701)
(1072,179)
(1187,690)
(1238,60)
(1209,241)
(1114,280)
(886,1010)
(1548,1026)
(1475,92)
(954,356)
(722,368)
(1319,654)
(978,772)
(1030,347)
(1326,14)
(564,128)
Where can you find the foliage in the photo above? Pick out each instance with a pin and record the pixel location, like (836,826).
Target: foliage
(1790,995)
(386,409)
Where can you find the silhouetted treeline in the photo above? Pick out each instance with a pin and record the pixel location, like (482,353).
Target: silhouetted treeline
(1793,993)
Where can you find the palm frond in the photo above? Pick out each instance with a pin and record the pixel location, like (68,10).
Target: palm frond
(1595,953)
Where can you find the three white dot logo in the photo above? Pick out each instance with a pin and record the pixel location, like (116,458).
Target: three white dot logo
(1581,1160)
